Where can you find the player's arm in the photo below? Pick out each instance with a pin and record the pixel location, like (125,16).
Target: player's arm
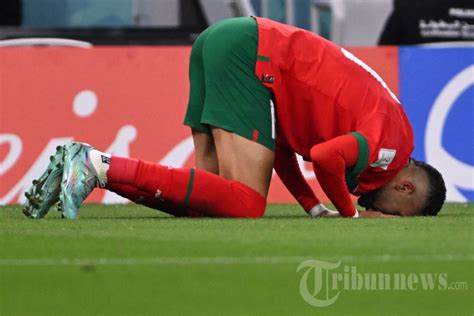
(330,161)
(287,168)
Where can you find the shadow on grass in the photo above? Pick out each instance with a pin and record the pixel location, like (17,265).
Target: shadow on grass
(287,216)
(160,218)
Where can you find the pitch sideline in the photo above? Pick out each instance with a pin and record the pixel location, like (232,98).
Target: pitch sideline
(231,260)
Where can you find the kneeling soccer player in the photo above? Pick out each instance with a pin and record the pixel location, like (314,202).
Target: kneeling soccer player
(262,92)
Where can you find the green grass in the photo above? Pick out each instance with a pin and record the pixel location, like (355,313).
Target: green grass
(131,260)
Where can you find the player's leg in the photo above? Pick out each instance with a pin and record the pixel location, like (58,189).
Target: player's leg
(144,198)
(244,109)
(244,160)
(197,192)
(188,189)
(205,152)
(237,105)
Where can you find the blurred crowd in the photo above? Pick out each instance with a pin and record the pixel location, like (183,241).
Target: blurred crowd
(408,21)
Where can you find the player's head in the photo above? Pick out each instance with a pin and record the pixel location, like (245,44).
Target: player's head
(418,189)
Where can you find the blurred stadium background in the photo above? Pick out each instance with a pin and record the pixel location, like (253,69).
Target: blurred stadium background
(338,20)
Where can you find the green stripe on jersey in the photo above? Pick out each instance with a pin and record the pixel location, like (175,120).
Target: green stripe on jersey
(362,160)
(263,58)
(190,188)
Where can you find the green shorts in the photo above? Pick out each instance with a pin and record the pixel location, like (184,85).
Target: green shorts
(224,90)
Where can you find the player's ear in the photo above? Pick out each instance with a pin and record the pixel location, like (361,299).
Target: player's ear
(405,187)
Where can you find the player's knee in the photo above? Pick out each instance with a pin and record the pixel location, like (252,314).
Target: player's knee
(252,204)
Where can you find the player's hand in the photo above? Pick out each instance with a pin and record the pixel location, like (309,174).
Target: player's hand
(330,214)
(321,210)
(375,214)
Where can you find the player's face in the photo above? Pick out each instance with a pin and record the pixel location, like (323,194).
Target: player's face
(402,196)
(376,201)
(388,202)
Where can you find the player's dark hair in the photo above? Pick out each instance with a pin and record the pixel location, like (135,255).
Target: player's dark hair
(436,189)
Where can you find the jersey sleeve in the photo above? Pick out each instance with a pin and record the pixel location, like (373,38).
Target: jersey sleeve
(389,140)
(287,168)
(330,160)
(352,173)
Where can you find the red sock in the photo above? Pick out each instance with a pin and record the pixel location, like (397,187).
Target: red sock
(144,198)
(198,190)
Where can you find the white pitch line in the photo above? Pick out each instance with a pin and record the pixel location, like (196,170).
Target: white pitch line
(232,260)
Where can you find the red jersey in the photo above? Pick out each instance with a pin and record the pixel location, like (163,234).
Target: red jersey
(322,91)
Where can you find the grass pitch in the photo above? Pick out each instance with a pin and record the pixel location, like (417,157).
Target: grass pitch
(121,260)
